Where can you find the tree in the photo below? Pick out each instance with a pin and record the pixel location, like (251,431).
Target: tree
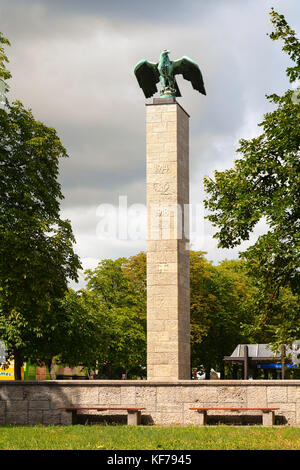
(264,183)
(219,296)
(118,290)
(36,251)
(80,332)
(4,73)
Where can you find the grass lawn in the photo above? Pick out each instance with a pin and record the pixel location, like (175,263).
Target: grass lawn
(101,437)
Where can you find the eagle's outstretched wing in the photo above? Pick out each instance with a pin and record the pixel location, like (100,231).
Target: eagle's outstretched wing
(147,75)
(190,71)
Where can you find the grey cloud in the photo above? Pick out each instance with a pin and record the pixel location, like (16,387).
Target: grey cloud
(72,62)
(129,11)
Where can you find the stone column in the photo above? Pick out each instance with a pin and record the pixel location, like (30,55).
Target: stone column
(168,290)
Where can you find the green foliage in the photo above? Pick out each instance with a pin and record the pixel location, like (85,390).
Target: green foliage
(219,296)
(290,43)
(117,292)
(36,245)
(275,319)
(79,330)
(264,184)
(4,73)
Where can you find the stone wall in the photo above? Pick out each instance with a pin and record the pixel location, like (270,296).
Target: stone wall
(37,402)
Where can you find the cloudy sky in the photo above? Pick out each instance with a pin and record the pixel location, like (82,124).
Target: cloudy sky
(72,63)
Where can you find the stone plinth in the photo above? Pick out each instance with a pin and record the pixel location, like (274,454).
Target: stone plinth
(168,291)
(38,402)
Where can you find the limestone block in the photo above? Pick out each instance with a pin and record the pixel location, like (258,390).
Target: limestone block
(109,395)
(2,412)
(170,147)
(155,259)
(169,116)
(166,157)
(158,267)
(171,126)
(195,395)
(81,395)
(161,245)
(152,138)
(161,371)
(160,108)
(134,418)
(65,418)
(39,405)
(168,395)
(155,339)
(128,395)
(292,394)
(170,407)
(159,127)
(155,326)
(162,279)
(164,290)
(277,394)
(52,417)
(160,302)
(146,397)
(167,136)
(159,169)
(64,392)
(154,117)
(194,418)
(268,418)
(155,148)
(172,325)
(59,402)
(168,419)
(285,408)
(6,392)
(166,346)
(165,313)
(256,397)
(232,395)
(159,358)
(35,417)
(39,392)
(297,416)
(16,418)
(16,406)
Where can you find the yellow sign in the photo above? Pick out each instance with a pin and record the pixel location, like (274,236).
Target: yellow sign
(7,373)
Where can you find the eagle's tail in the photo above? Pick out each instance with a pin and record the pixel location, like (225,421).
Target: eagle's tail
(176,88)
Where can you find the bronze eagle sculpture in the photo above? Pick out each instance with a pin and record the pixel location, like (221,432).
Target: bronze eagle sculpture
(148,74)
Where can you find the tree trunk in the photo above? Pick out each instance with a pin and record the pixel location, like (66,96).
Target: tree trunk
(18,362)
(207,373)
(49,365)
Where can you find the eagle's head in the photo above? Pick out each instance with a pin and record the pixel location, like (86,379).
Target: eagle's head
(165,52)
